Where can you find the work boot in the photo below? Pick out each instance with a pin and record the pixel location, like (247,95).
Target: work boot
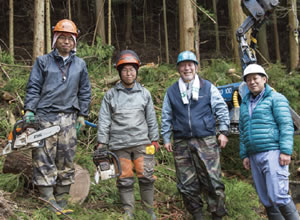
(214,216)
(46,193)
(273,213)
(61,195)
(198,215)
(147,193)
(127,199)
(289,211)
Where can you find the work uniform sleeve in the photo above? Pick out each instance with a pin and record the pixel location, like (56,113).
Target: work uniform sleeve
(34,86)
(220,109)
(166,120)
(104,120)
(151,119)
(84,92)
(283,118)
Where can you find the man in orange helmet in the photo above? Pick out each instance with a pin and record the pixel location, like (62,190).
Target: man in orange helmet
(128,127)
(58,93)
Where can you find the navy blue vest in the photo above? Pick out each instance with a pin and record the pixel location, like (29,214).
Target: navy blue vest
(194,119)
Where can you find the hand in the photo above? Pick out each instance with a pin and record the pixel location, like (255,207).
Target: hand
(79,123)
(168,146)
(284,159)
(246,163)
(222,140)
(156,145)
(29,116)
(101,146)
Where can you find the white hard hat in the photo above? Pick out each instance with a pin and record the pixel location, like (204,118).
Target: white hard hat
(254,68)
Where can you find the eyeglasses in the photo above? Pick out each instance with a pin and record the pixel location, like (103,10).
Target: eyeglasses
(131,70)
(64,38)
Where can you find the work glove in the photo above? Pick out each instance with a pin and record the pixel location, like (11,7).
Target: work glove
(79,123)
(156,145)
(29,117)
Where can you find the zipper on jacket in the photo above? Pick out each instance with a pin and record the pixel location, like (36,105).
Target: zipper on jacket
(189,116)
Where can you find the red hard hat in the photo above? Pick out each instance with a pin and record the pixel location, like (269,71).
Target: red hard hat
(127,57)
(66,25)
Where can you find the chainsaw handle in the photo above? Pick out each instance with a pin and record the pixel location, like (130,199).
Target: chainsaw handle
(117,162)
(17,130)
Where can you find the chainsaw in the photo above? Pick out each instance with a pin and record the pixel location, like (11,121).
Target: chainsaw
(107,163)
(27,134)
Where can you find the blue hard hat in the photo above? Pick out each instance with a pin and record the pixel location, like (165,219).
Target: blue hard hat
(187,56)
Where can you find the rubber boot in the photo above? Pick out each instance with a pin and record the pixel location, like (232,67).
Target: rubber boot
(214,216)
(127,199)
(289,211)
(273,213)
(198,216)
(46,193)
(147,193)
(61,195)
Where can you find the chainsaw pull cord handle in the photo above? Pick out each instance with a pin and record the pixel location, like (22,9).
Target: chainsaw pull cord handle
(117,162)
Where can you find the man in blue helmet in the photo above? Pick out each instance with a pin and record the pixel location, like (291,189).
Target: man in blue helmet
(190,110)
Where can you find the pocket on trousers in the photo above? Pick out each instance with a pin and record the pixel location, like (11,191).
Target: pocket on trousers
(283,181)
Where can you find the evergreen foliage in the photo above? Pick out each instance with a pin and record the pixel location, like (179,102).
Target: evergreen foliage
(103,201)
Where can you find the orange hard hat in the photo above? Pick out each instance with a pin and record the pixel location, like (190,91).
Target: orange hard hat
(127,57)
(66,25)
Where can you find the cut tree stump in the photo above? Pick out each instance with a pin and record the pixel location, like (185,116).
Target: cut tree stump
(21,162)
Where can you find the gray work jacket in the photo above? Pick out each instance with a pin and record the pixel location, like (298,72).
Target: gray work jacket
(127,118)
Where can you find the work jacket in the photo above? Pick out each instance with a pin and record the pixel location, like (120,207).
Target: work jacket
(269,128)
(47,92)
(127,118)
(196,119)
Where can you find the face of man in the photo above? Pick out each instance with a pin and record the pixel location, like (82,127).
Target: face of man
(64,44)
(187,70)
(256,83)
(128,75)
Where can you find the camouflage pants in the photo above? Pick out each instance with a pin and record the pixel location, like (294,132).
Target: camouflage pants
(135,157)
(53,164)
(198,170)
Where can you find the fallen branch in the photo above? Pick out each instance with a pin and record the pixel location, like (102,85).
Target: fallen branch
(45,201)
(15,65)
(6,74)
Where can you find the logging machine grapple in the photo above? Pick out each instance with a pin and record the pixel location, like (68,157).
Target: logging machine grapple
(258,12)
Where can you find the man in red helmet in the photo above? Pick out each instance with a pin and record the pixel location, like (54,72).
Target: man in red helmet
(128,127)
(58,93)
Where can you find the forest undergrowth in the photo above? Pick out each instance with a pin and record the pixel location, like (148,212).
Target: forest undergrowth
(103,202)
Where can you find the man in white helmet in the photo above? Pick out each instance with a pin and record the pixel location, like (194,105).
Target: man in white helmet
(266,143)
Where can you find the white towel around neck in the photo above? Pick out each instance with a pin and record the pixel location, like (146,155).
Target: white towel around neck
(195,90)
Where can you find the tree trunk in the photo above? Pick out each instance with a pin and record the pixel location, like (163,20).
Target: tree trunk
(128,31)
(144,21)
(78,14)
(166,31)
(11,28)
(263,44)
(293,34)
(236,17)
(218,51)
(109,33)
(186,26)
(38,30)
(69,10)
(48,27)
(19,162)
(197,36)
(100,20)
(276,38)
